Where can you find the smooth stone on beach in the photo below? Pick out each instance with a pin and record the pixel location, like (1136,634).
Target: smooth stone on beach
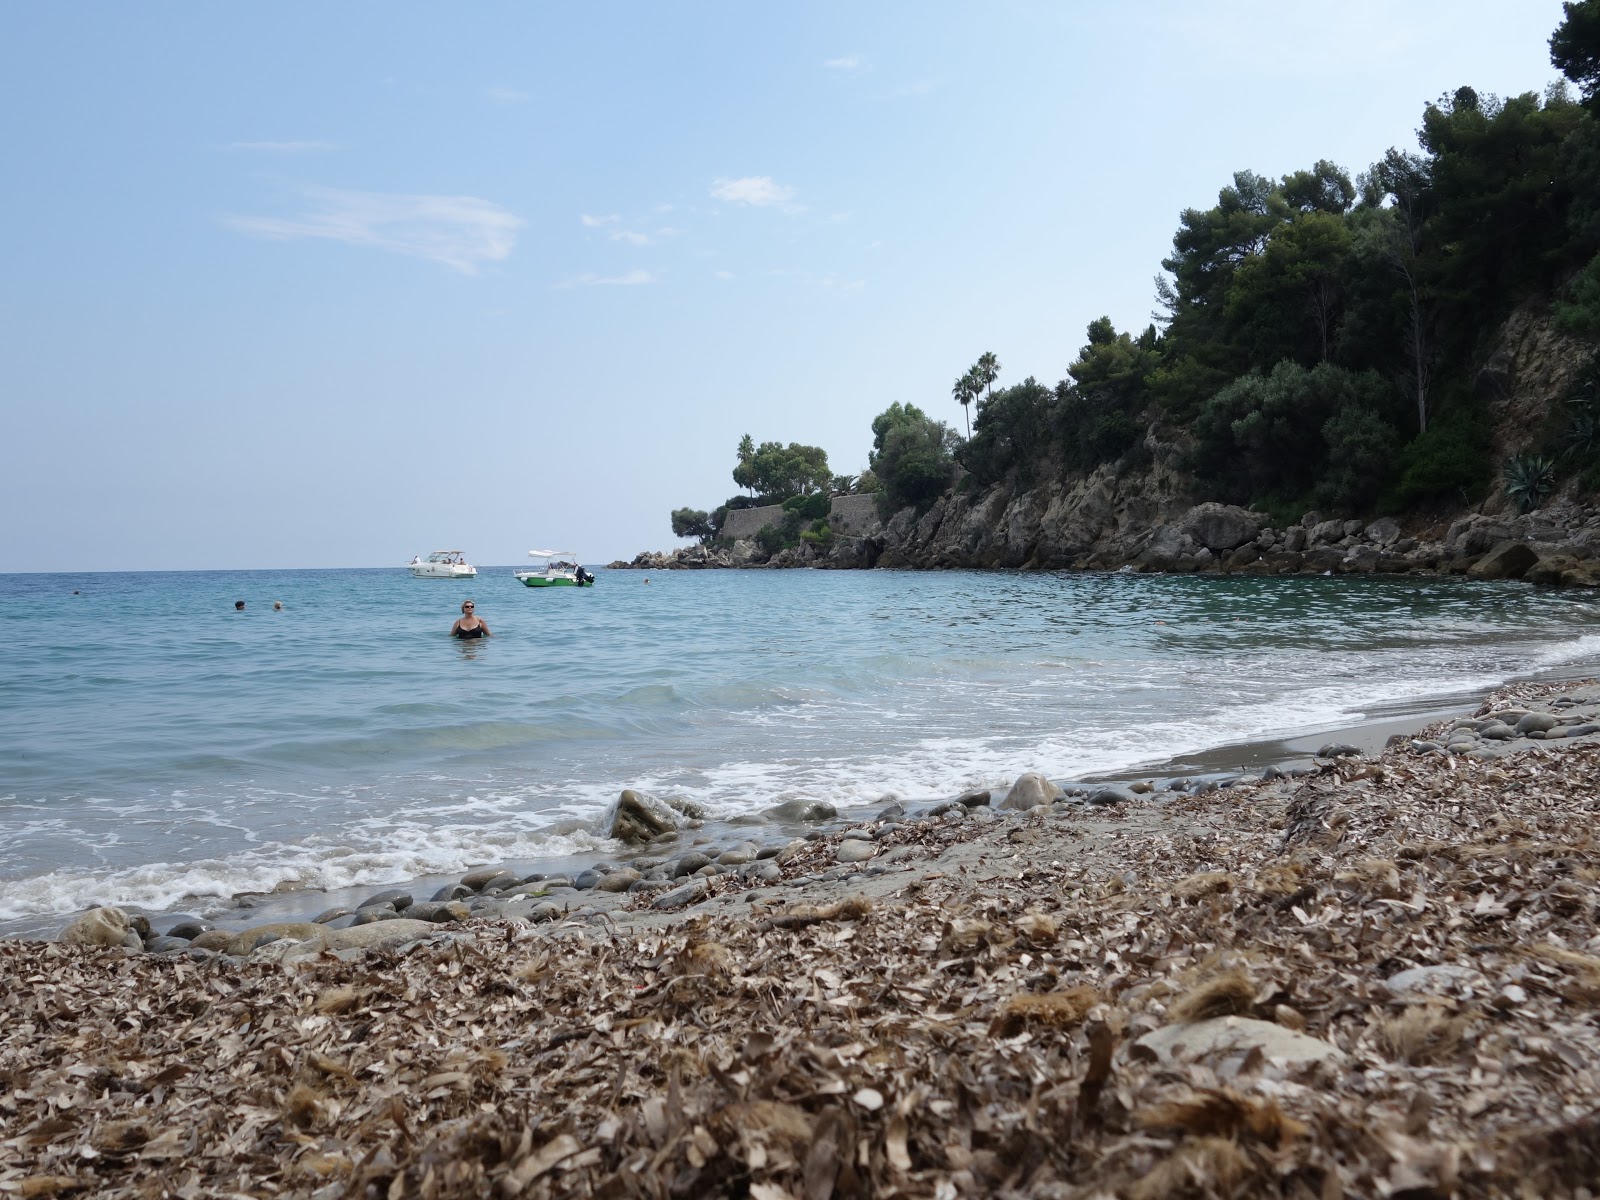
(762,871)
(1234,1035)
(1029,791)
(374,914)
(689,863)
(482,877)
(807,812)
(971,799)
(436,911)
(735,858)
(166,943)
(854,850)
(1497,732)
(1108,795)
(215,940)
(453,891)
(293,931)
(181,925)
(586,881)
(1582,730)
(619,880)
(680,896)
(1339,750)
(330,914)
(1536,722)
(98,927)
(395,898)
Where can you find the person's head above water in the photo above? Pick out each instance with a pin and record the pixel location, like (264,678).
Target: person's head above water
(238,606)
(468,606)
(277,606)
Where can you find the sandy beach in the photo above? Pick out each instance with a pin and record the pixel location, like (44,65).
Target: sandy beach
(1379,978)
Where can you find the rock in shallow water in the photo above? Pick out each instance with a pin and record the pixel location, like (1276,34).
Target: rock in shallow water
(98,927)
(638,817)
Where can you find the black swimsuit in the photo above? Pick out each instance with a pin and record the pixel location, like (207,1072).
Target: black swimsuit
(475,632)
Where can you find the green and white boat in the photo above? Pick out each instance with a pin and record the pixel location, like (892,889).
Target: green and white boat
(560,569)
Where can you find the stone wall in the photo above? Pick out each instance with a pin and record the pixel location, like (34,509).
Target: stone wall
(853,516)
(743,523)
(850,516)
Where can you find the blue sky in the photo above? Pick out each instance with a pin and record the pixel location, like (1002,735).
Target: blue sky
(329,285)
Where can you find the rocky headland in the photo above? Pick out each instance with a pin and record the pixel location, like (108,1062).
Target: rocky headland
(1360,976)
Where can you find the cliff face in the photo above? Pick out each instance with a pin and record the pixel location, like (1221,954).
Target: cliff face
(1144,516)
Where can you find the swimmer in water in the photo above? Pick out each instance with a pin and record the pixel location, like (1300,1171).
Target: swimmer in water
(238,606)
(277,606)
(469,626)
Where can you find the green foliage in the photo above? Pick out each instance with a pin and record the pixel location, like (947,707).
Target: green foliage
(1578,313)
(1575,47)
(771,539)
(809,508)
(775,472)
(1361,448)
(1449,462)
(1266,434)
(1529,480)
(1014,426)
(866,483)
(695,523)
(911,457)
(1097,415)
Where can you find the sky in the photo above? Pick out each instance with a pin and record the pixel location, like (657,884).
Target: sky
(312,285)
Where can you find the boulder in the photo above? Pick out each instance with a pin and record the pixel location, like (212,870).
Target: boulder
(1507,560)
(482,878)
(1107,795)
(1220,527)
(638,816)
(695,889)
(98,927)
(1030,791)
(1383,532)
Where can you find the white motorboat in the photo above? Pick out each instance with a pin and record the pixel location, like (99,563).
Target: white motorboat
(443,564)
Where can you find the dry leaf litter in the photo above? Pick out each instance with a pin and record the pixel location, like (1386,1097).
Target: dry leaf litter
(1379,980)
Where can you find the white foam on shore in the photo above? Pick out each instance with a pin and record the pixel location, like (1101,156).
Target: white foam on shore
(384,839)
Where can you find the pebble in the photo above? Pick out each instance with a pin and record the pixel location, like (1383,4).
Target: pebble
(484,876)
(854,851)
(395,898)
(1536,723)
(680,896)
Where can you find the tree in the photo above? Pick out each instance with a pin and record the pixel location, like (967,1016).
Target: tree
(910,457)
(744,472)
(965,392)
(693,523)
(987,370)
(1396,233)
(776,472)
(1575,48)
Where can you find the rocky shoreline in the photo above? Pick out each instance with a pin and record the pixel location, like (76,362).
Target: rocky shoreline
(1369,976)
(1557,546)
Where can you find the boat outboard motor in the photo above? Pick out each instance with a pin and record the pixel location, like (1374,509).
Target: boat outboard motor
(584,576)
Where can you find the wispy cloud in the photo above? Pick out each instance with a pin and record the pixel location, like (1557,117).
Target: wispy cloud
(505,95)
(631,236)
(306,147)
(634,278)
(462,232)
(590,221)
(758,191)
(723,274)
(847,62)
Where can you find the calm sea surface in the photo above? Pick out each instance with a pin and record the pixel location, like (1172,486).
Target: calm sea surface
(157,748)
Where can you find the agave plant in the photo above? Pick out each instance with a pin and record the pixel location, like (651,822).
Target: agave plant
(1530,478)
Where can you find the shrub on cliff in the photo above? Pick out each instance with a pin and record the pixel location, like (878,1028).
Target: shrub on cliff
(911,458)
(1449,462)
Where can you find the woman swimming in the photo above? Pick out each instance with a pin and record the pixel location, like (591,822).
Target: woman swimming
(468,626)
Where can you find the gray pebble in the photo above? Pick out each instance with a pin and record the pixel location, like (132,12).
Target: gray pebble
(394,898)
(1536,723)
(680,896)
(587,880)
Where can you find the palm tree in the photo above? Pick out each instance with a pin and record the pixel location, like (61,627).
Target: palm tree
(965,392)
(988,370)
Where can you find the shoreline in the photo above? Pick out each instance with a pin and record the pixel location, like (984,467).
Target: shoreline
(1160,777)
(1380,977)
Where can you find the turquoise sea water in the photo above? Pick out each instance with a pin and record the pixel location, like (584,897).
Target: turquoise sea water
(157,748)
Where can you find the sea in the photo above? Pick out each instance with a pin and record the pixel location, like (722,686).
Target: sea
(160,750)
